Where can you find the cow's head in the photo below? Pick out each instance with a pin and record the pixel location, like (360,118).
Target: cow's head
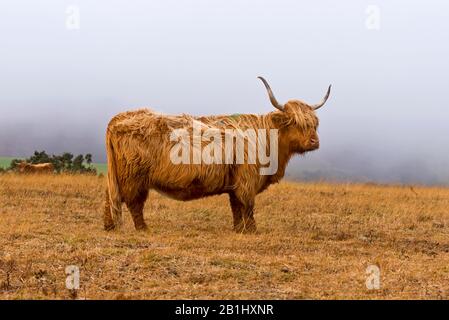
(297,122)
(22,165)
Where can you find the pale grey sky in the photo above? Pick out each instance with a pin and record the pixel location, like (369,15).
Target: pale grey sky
(387,117)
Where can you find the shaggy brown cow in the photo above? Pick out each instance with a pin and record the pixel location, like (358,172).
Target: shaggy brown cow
(25,167)
(139,145)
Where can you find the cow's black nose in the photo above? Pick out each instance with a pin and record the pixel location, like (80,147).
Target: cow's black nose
(315,143)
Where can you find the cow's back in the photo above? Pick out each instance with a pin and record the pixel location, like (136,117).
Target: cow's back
(141,143)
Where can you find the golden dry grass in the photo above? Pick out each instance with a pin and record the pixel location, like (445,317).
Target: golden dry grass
(314,241)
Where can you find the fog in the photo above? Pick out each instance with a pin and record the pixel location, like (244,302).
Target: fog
(386,120)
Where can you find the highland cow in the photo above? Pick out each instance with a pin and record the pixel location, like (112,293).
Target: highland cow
(140,148)
(24,167)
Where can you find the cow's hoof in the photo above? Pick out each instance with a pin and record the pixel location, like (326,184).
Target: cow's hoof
(141,227)
(246,229)
(109,227)
(250,230)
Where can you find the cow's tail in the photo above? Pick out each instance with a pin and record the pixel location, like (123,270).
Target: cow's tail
(113,216)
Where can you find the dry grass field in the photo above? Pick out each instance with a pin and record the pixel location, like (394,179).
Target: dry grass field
(313,241)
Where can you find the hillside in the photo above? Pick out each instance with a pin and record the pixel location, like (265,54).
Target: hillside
(313,241)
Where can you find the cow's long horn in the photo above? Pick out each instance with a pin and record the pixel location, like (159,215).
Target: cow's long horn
(319,105)
(273,100)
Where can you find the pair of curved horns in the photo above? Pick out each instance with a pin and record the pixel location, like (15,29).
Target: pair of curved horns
(277,105)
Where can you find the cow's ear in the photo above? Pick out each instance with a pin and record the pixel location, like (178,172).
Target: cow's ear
(281,119)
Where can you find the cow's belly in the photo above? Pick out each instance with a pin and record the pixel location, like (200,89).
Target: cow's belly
(188,193)
(190,182)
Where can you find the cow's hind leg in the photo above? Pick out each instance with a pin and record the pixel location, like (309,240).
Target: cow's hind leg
(107,217)
(135,207)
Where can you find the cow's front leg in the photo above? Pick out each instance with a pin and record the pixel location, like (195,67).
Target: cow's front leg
(237,208)
(248,221)
(243,214)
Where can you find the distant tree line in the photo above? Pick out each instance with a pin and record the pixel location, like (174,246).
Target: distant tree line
(65,162)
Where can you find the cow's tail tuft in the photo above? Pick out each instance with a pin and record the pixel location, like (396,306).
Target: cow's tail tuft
(115,200)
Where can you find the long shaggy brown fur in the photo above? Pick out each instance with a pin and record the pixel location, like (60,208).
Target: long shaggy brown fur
(138,148)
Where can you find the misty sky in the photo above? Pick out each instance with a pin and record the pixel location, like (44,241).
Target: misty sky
(387,118)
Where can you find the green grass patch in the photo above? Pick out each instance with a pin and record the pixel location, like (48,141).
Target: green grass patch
(101,167)
(5,162)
